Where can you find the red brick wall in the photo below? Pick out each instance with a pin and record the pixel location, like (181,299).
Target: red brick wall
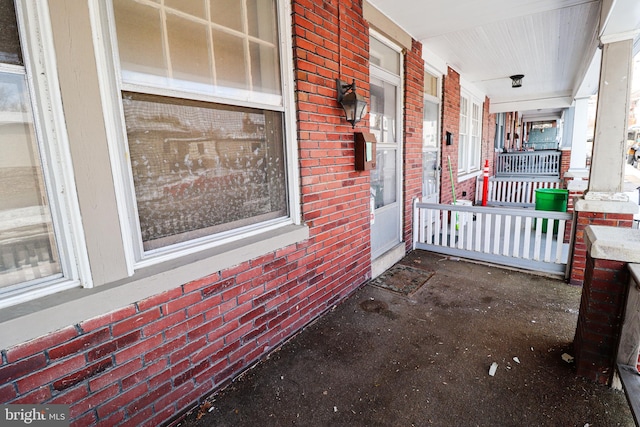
(488,136)
(147,362)
(565,162)
(450,123)
(600,318)
(579,258)
(413,116)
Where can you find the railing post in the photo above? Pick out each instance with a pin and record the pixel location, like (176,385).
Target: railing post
(485,182)
(629,347)
(416,222)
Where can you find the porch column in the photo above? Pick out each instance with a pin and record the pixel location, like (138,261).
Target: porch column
(604,202)
(606,178)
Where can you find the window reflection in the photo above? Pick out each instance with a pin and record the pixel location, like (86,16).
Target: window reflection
(383,178)
(27,245)
(202,168)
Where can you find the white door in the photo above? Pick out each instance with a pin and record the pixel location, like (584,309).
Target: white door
(386,124)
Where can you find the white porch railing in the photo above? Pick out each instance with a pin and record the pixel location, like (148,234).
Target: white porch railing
(512,237)
(528,163)
(628,357)
(516,191)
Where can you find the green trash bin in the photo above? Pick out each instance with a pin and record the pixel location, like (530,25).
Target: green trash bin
(551,199)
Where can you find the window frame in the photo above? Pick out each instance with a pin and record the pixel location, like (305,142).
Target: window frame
(473,137)
(111,87)
(41,77)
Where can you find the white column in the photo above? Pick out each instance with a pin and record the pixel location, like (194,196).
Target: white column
(606,178)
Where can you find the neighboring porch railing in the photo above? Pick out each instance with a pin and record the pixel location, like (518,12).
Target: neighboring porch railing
(515,191)
(528,163)
(512,237)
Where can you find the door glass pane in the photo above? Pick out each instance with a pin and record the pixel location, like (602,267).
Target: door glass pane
(383,56)
(27,243)
(429,170)
(430,124)
(383,179)
(430,84)
(202,168)
(382,117)
(9,41)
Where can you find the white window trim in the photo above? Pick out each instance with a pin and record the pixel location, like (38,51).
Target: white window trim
(467,173)
(438,101)
(102,20)
(37,45)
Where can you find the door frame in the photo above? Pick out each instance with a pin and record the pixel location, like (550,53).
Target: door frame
(398,80)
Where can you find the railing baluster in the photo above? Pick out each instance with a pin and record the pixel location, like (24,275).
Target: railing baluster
(538,239)
(527,238)
(445,228)
(487,233)
(452,230)
(438,232)
(496,234)
(479,227)
(507,235)
(549,240)
(560,241)
(427,225)
(516,237)
(469,230)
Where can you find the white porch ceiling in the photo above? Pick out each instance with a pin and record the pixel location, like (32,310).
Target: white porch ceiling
(552,42)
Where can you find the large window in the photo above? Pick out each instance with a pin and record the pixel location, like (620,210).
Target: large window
(470,140)
(204,113)
(36,255)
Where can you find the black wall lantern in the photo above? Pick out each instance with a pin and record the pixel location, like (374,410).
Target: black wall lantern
(516,80)
(354,105)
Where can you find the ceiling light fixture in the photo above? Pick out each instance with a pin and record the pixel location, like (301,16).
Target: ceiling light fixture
(516,80)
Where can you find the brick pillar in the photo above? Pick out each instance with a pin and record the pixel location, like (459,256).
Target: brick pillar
(595,213)
(595,345)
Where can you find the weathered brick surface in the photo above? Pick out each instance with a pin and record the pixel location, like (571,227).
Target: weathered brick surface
(450,123)
(600,318)
(578,260)
(413,117)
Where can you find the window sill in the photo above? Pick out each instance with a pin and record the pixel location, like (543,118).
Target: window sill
(35,318)
(468,176)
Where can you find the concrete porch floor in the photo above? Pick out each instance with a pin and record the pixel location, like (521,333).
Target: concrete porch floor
(381,358)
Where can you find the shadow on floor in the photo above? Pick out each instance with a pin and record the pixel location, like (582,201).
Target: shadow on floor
(386,358)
